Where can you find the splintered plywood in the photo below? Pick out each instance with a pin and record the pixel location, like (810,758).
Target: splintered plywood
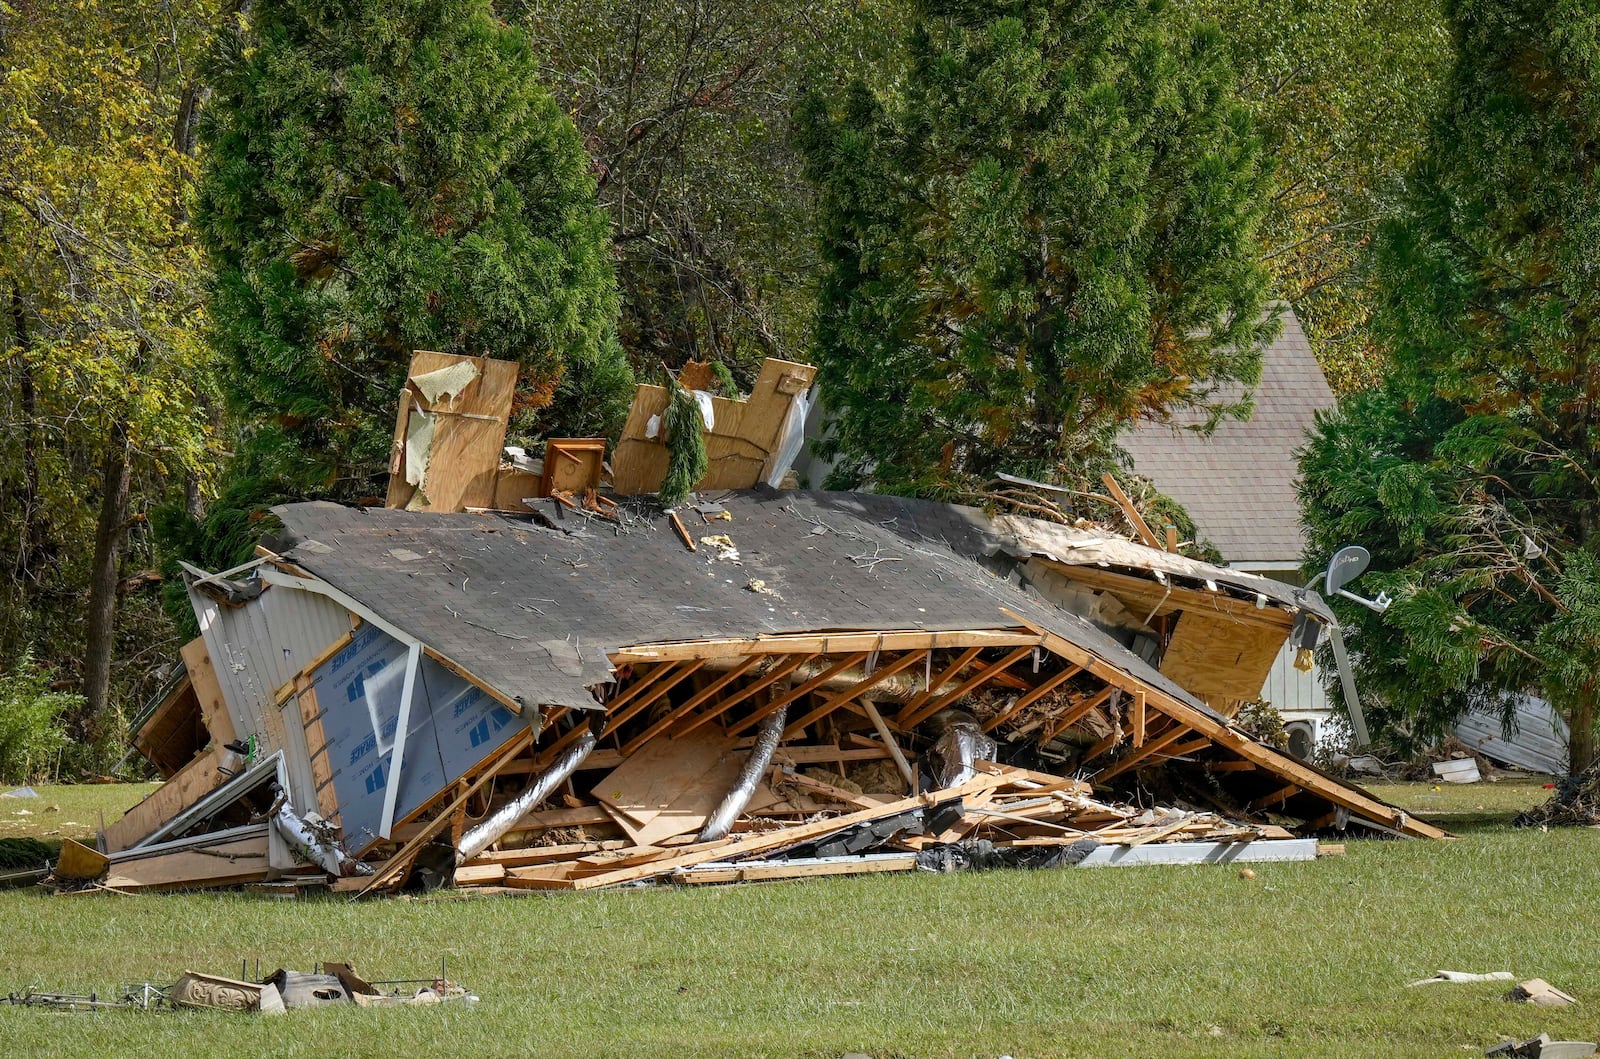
(671,786)
(208,690)
(743,437)
(1221,660)
(239,860)
(195,780)
(450,432)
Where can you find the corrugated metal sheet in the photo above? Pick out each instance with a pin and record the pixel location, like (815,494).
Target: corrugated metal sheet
(259,647)
(1540,742)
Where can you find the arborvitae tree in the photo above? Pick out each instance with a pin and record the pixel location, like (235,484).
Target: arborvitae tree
(1046,232)
(1475,473)
(382,176)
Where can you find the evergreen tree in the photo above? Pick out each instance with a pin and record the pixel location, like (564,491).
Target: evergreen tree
(1046,232)
(1473,472)
(382,176)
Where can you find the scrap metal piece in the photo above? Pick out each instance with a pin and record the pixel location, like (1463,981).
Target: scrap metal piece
(507,816)
(768,736)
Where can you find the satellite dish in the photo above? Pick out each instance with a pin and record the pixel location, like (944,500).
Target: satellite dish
(1346,565)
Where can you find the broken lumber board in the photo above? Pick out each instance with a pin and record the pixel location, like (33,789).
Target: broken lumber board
(462,460)
(791,836)
(191,783)
(966,686)
(529,855)
(479,874)
(807,868)
(235,860)
(1257,852)
(1136,520)
(878,676)
(765,680)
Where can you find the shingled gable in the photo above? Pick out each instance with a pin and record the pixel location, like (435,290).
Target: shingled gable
(534,610)
(1238,484)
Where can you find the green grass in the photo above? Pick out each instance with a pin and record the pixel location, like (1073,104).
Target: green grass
(63,811)
(1304,960)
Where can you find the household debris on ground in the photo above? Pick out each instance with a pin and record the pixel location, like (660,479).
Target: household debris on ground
(576,694)
(1538,992)
(1459,977)
(1542,1047)
(1574,803)
(281,991)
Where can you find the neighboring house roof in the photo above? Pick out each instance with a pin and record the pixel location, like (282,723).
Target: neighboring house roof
(533,612)
(1239,484)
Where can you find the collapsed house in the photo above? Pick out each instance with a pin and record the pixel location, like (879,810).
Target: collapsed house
(571,694)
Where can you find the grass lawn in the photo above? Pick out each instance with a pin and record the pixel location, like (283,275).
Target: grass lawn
(1304,960)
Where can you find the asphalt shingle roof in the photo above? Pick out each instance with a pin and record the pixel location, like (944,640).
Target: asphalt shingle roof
(1239,483)
(533,611)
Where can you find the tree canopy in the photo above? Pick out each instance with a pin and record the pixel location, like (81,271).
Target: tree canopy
(1474,472)
(381,177)
(1045,231)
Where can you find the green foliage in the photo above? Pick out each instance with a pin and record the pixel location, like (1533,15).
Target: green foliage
(686,446)
(1472,473)
(102,348)
(1342,94)
(31,733)
(1043,232)
(400,182)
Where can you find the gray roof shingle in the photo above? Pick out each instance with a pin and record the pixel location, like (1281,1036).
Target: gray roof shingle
(1239,483)
(533,611)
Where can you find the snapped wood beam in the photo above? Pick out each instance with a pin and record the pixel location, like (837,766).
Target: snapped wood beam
(878,676)
(657,691)
(1024,701)
(1076,713)
(693,702)
(1139,526)
(778,672)
(967,686)
(1138,719)
(1151,746)
(804,689)
(934,684)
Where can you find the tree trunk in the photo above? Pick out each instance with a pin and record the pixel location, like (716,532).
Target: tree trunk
(1581,721)
(29,531)
(101,620)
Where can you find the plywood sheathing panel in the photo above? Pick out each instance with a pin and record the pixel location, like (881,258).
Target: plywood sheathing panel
(467,438)
(175,732)
(742,438)
(196,779)
(208,691)
(1221,660)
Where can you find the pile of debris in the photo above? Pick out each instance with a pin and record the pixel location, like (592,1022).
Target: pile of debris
(1575,803)
(281,991)
(572,693)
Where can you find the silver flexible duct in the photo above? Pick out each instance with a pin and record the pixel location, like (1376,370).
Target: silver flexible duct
(314,841)
(502,820)
(768,736)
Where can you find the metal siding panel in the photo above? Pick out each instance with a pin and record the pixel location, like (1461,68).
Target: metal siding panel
(1289,690)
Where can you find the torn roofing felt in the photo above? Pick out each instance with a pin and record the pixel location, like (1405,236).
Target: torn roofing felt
(533,611)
